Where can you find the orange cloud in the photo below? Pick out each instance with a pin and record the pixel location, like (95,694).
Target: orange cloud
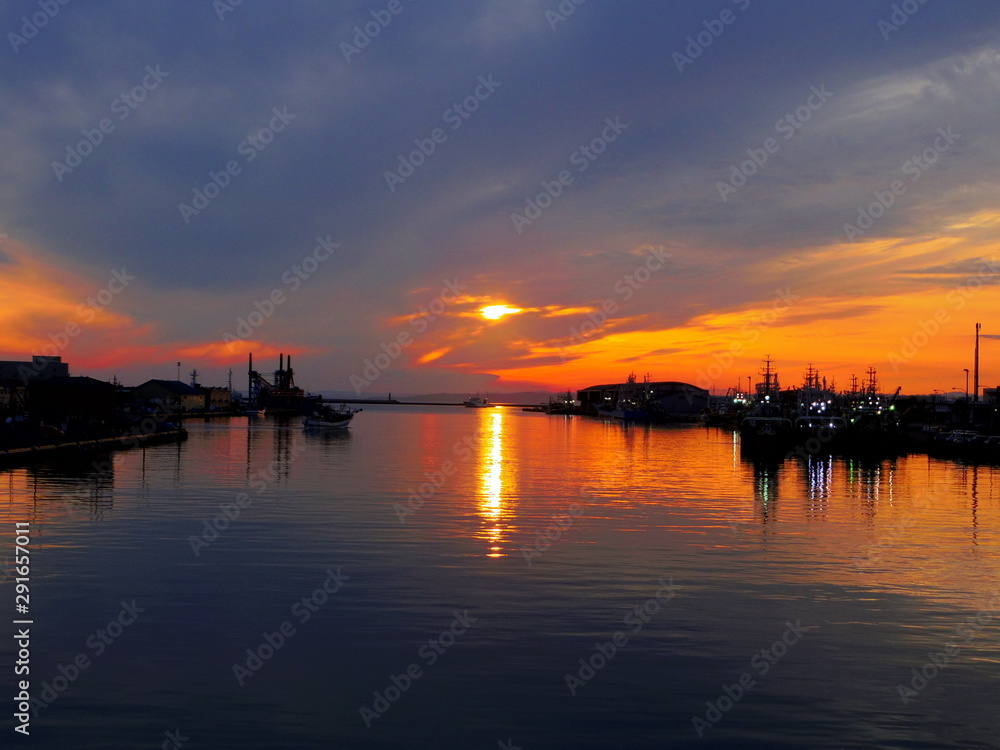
(44,308)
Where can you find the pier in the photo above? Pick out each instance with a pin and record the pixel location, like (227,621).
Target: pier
(74,448)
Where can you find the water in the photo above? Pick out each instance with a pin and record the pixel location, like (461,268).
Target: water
(821,585)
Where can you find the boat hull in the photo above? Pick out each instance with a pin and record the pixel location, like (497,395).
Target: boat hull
(312,423)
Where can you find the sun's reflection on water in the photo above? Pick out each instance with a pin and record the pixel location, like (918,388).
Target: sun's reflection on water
(491,482)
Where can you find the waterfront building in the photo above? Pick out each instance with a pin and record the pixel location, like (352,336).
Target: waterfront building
(172,396)
(39,368)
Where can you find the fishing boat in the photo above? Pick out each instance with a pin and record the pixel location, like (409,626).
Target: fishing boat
(329,418)
(477,402)
(765,427)
(872,423)
(817,416)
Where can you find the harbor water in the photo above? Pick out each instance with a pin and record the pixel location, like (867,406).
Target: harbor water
(439,577)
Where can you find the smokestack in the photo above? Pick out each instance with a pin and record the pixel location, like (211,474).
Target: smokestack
(975,397)
(281,361)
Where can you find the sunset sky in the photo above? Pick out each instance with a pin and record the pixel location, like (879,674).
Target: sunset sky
(675,188)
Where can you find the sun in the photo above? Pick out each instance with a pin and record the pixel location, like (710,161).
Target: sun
(495,312)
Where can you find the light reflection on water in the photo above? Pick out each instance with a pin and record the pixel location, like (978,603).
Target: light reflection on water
(882,559)
(491,469)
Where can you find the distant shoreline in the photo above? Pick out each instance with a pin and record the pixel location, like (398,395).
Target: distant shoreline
(394,402)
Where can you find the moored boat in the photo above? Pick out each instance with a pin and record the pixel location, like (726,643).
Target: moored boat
(765,427)
(329,418)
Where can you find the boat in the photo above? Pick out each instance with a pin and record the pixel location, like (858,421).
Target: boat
(872,424)
(329,418)
(817,417)
(564,404)
(477,402)
(727,411)
(255,412)
(765,427)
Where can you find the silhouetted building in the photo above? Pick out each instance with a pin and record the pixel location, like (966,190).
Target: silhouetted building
(170,395)
(38,368)
(668,398)
(13,398)
(216,399)
(77,406)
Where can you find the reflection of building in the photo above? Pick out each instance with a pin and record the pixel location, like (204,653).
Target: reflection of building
(171,395)
(37,368)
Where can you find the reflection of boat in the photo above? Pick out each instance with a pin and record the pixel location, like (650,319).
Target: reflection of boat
(477,402)
(255,412)
(329,418)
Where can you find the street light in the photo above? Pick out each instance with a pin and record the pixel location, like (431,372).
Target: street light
(966,370)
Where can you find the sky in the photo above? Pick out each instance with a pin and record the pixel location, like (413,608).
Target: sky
(680,189)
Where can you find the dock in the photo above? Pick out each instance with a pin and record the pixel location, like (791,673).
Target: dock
(54,451)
